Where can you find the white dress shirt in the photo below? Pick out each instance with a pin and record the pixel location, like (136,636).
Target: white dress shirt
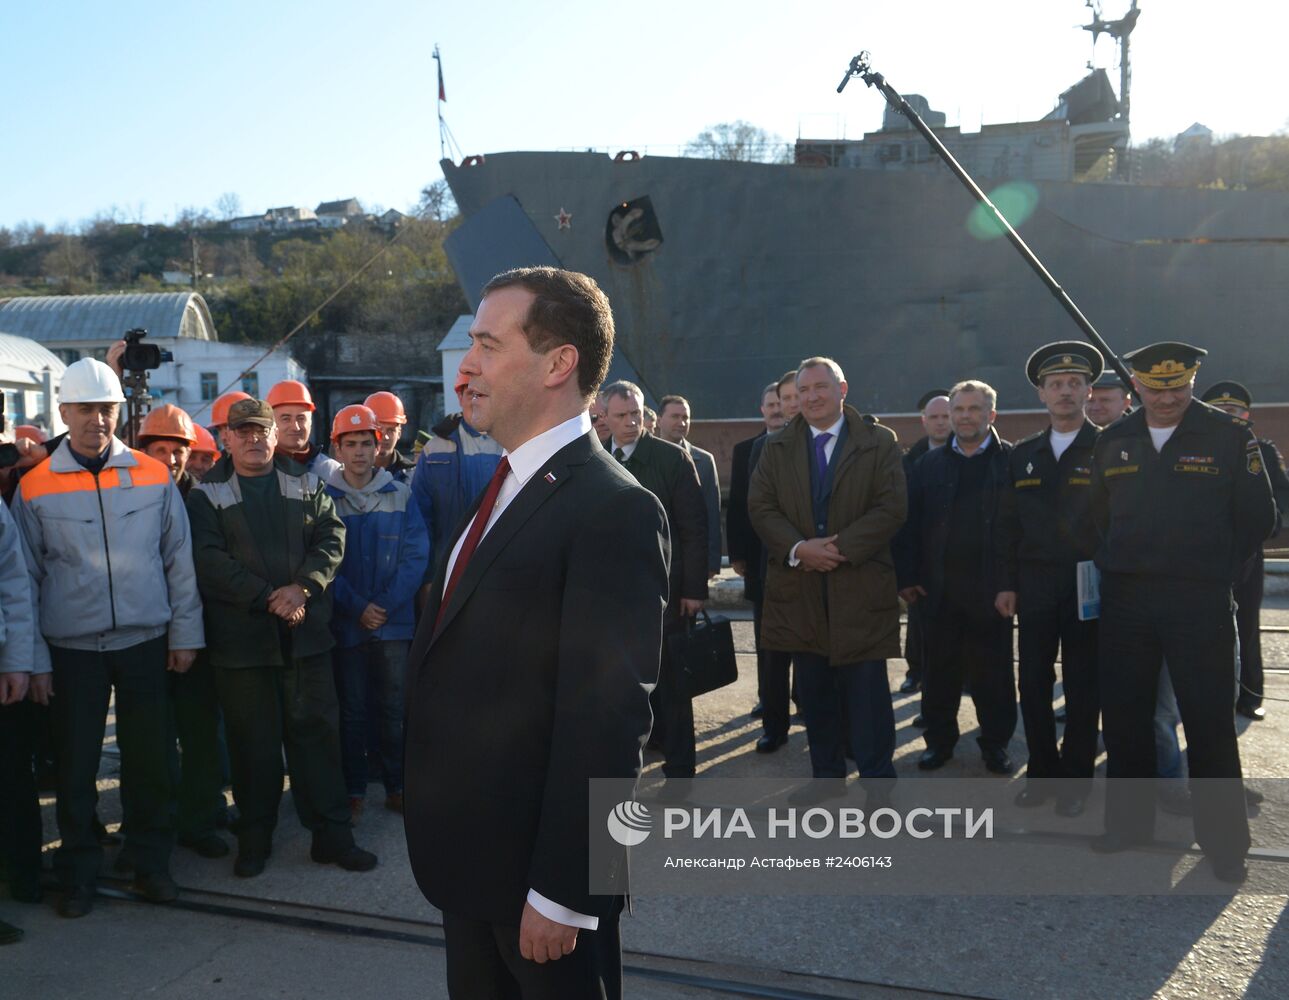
(525,462)
(627,449)
(829,447)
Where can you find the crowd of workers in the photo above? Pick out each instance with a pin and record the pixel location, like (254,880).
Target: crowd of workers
(250,598)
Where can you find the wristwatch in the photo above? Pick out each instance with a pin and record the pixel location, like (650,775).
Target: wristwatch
(306,591)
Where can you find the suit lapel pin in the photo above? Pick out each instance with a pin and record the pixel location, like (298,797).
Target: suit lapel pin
(1030,468)
(549,477)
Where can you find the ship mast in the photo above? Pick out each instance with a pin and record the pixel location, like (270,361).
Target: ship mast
(1120,30)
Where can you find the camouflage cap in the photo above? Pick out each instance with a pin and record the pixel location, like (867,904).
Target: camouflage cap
(250,411)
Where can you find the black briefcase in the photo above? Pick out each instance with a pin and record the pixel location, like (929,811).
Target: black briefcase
(704,654)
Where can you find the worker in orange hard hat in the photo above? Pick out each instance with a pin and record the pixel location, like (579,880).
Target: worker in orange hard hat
(293,411)
(219,411)
(392,419)
(386,556)
(167,434)
(29,432)
(205,453)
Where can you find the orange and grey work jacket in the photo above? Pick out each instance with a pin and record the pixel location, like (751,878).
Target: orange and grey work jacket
(109,552)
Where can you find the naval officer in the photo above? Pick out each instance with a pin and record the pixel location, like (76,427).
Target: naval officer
(1181,501)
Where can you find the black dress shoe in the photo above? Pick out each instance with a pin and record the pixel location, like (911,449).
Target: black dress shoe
(1029,797)
(997,761)
(249,865)
(769,744)
(209,846)
(1113,843)
(352,859)
(909,686)
(1070,806)
(1251,711)
(933,759)
(758,710)
(9,934)
(155,887)
(78,902)
(919,722)
(1232,870)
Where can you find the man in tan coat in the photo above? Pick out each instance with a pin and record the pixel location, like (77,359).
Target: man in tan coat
(826,498)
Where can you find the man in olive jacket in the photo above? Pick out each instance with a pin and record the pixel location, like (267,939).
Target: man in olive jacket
(266,544)
(826,498)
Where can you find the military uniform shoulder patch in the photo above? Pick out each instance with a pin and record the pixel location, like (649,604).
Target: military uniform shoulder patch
(1253,457)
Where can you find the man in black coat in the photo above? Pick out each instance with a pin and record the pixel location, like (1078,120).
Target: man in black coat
(1235,399)
(667,472)
(1181,501)
(944,560)
(531,668)
(933,408)
(743,543)
(1045,530)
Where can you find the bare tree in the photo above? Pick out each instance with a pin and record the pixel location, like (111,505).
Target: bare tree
(228,205)
(436,202)
(739,140)
(69,262)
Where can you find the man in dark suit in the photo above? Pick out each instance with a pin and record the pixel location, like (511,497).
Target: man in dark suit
(531,669)
(668,473)
(746,553)
(674,420)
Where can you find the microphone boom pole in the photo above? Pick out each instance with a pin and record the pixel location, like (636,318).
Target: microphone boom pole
(859,66)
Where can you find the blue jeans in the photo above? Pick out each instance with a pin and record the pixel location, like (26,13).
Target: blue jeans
(384,661)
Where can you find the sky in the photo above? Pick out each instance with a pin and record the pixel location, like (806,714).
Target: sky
(155,107)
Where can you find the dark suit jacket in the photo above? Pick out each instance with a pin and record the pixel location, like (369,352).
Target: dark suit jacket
(741,540)
(536,680)
(710,481)
(667,471)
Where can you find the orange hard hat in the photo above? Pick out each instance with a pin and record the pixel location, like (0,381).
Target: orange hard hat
(387,407)
(168,421)
(290,393)
(219,408)
(354,418)
(31,432)
(205,442)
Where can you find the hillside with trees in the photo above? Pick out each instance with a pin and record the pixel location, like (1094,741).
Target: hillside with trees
(258,284)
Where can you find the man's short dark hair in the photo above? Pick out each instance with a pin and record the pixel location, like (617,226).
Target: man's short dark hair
(666,401)
(788,376)
(773,387)
(568,308)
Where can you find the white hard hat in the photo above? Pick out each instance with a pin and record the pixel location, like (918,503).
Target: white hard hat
(90,381)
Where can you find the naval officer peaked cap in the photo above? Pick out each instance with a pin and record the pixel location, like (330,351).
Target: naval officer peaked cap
(1065,357)
(1166,365)
(1228,393)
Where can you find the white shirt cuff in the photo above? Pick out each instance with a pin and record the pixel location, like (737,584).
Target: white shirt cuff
(793,561)
(561,914)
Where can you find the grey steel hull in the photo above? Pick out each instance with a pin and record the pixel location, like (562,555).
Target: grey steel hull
(763,265)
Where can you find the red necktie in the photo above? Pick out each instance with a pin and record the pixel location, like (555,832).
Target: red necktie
(475,533)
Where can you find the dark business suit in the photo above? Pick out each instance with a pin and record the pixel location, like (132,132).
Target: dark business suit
(668,472)
(534,680)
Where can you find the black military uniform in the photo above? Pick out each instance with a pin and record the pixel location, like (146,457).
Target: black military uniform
(1045,529)
(1176,524)
(1248,583)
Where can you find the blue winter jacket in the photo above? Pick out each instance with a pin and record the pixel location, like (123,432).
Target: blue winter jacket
(386,550)
(454,468)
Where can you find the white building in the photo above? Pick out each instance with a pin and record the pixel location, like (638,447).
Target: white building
(453,348)
(29,378)
(77,326)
